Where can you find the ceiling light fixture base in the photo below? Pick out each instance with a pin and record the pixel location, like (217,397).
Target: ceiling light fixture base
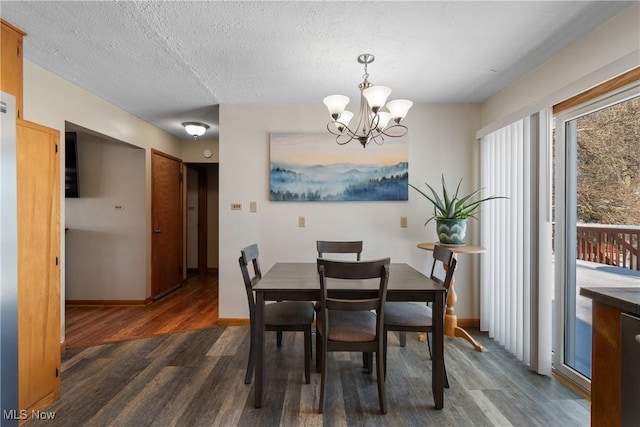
(195,129)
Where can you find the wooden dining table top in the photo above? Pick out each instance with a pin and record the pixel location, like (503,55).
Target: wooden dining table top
(304,277)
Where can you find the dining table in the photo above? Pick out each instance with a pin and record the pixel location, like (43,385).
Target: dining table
(299,281)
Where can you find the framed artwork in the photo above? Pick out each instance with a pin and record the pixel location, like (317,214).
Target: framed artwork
(312,167)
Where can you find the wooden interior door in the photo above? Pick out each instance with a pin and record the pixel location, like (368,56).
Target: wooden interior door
(11,52)
(166,214)
(38,198)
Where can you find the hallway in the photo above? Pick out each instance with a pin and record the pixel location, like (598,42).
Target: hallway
(193,306)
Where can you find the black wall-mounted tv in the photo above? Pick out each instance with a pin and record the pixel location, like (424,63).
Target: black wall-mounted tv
(71,165)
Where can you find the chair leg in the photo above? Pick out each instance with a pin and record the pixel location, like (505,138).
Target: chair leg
(384,350)
(446,379)
(323,378)
(403,338)
(369,363)
(307,354)
(279,337)
(251,360)
(318,351)
(380,373)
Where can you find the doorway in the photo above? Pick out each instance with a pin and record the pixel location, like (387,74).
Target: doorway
(201,213)
(597,217)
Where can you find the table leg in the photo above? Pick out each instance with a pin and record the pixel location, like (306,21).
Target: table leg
(451,328)
(437,367)
(259,342)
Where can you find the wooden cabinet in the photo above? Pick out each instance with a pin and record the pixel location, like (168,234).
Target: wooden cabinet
(38,199)
(11,70)
(630,381)
(610,369)
(38,240)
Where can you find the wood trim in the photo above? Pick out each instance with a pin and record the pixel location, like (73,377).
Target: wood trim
(571,385)
(93,302)
(230,321)
(233,322)
(168,156)
(469,323)
(40,405)
(212,269)
(603,88)
(13,27)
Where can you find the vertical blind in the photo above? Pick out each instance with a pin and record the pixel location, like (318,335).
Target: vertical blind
(510,288)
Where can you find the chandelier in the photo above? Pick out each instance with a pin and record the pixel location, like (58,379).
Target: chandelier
(373,124)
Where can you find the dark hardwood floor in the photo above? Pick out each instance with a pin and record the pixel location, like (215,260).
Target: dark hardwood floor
(192,306)
(197,379)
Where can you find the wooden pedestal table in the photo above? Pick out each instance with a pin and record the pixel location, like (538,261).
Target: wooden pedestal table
(451,327)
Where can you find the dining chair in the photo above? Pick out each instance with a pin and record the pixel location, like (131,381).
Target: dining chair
(339,247)
(349,325)
(279,316)
(418,317)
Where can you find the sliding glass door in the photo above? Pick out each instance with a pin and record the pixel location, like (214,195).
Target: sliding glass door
(597,196)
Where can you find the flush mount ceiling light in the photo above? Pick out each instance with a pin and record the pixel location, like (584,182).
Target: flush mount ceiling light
(373,124)
(195,129)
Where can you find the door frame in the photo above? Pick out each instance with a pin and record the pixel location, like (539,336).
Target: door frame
(203,229)
(565,205)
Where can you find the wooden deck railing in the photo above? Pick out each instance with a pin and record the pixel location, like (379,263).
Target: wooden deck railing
(609,244)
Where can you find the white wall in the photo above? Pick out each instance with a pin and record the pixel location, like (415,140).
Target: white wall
(609,50)
(441,140)
(105,247)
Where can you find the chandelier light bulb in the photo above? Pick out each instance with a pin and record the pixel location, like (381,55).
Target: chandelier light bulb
(383,119)
(376,96)
(399,108)
(344,119)
(336,104)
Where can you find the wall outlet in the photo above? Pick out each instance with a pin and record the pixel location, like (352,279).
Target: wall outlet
(301,222)
(236,206)
(253,206)
(118,208)
(403,221)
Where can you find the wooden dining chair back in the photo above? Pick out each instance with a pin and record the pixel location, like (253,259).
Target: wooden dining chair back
(418,317)
(349,325)
(339,247)
(279,316)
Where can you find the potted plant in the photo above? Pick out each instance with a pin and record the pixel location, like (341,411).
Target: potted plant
(451,211)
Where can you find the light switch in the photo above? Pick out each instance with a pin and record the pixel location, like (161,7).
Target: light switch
(118,208)
(253,206)
(301,222)
(403,221)
(236,206)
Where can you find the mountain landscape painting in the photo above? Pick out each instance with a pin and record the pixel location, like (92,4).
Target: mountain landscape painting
(312,167)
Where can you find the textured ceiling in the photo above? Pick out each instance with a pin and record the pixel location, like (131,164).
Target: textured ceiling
(168,62)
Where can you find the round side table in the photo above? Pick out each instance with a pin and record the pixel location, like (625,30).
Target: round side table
(451,327)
